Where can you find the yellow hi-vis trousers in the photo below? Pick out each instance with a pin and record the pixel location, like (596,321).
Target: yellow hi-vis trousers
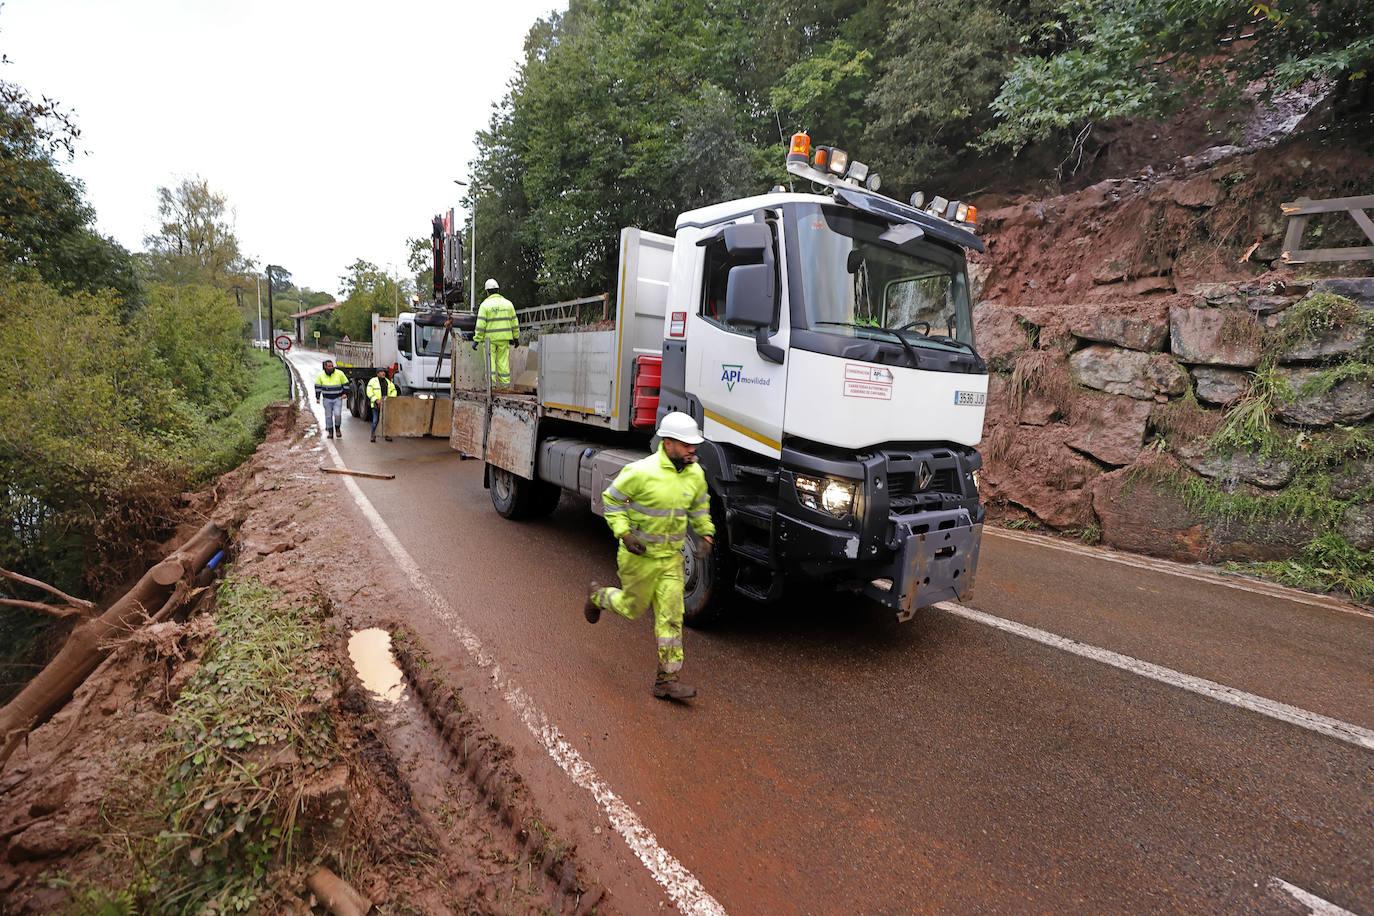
(649,581)
(498,363)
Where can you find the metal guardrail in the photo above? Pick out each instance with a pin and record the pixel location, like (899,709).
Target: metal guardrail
(1301,210)
(559,314)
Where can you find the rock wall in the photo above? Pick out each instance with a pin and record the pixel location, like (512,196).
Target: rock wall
(1116,419)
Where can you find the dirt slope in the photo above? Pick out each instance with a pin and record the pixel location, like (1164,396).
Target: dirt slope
(417,819)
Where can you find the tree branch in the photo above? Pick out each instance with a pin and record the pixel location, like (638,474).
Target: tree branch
(56,610)
(74,602)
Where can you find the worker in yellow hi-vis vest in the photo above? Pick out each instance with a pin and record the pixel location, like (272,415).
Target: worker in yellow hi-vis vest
(498,326)
(649,506)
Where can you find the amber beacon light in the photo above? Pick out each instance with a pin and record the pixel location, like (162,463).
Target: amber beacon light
(801,148)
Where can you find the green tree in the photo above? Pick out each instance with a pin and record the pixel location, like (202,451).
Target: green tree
(197,338)
(365,289)
(45,225)
(195,242)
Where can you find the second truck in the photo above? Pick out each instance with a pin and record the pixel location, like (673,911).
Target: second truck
(824,344)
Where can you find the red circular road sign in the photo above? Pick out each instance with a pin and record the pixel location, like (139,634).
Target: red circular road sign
(283,342)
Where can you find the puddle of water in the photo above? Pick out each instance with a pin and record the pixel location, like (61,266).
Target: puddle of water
(370,651)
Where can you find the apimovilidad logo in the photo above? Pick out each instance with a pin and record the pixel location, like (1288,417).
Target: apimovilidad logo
(732,375)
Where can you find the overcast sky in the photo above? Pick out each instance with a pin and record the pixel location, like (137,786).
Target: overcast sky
(335,128)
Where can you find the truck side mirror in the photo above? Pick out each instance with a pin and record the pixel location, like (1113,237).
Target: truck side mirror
(750,295)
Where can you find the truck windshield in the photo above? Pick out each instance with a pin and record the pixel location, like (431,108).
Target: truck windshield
(431,339)
(853,280)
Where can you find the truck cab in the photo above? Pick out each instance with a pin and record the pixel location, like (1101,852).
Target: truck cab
(824,344)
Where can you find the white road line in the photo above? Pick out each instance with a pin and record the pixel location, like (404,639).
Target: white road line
(1314,904)
(681,885)
(1182,570)
(1332,728)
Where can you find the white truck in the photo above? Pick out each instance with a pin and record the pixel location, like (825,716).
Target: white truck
(414,348)
(823,342)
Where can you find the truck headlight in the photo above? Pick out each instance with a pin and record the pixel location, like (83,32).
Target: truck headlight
(826,494)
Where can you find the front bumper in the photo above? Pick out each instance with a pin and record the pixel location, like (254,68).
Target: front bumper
(928,557)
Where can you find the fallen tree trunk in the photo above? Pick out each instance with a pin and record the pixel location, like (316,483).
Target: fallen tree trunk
(91,640)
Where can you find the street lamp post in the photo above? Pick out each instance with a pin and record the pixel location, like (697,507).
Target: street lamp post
(472,256)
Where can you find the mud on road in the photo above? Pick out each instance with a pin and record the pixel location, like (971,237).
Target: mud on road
(423,811)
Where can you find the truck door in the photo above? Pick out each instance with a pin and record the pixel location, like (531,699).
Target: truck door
(405,355)
(736,368)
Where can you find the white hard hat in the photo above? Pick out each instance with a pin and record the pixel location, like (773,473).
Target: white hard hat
(677,425)
(492,284)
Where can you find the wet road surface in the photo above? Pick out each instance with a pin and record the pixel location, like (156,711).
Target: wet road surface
(837,761)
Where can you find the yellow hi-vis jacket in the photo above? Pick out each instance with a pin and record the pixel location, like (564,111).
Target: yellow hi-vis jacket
(331,384)
(656,501)
(374,389)
(496,319)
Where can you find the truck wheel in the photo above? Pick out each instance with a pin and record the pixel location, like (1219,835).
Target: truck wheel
(353,399)
(546,497)
(705,583)
(512,496)
(365,409)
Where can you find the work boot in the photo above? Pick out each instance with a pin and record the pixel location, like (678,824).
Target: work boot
(387,438)
(338,433)
(591,610)
(373,439)
(329,434)
(672,690)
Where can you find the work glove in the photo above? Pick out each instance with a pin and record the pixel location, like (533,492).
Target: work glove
(474,345)
(633,544)
(702,549)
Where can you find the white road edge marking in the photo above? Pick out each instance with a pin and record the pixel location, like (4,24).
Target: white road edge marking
(1316,905)
(1183,571)
(1293,715)
(680,884)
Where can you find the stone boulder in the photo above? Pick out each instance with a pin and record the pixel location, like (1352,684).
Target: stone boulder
(1341,341)
(1143,516)
(1357,527)
(1136,326)
(1129,372)
(1112,429)
(1350,478)
(1034,468)
(999,334)
(1350,401)
(1242,467)
(1360,289)
(1214,337)
(1219,385)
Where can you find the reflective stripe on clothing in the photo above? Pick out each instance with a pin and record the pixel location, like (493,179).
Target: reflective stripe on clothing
(374,389)
(656,501)
(496,319)
(650,582)
(330,385)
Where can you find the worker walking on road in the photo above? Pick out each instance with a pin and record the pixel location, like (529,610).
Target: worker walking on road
(497,324)
(649,506)
(330,385)
(379,388)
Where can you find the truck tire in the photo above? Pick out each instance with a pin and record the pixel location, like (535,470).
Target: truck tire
(705,583)
(353,399)
(546,498)
(364,408)
(513,496)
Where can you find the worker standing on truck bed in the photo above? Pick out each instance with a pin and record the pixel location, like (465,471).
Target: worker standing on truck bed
(379,388)
(330,385)
(648,506)
(497,324)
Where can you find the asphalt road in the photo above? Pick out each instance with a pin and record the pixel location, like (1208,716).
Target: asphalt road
(837,761)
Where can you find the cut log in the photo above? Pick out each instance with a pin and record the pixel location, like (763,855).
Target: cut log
(337,895)
(91,640)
